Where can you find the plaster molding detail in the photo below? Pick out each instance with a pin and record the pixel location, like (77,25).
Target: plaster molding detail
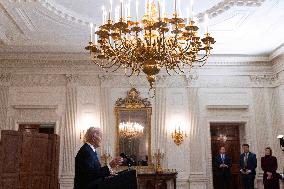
(72,78)
(191,78)
(5,79)
(264,79)
(207,80)
(214,11)
(38,80)
(64,13)
(35,106)
(225,5)
(25,18)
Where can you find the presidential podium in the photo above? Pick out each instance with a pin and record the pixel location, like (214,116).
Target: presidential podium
(123,180)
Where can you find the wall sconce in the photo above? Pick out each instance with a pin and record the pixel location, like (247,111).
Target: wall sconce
(178,136)
(82,134)
(281,140)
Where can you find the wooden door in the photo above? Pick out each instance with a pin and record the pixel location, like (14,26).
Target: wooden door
(10,159)
(232,145)
(29,160)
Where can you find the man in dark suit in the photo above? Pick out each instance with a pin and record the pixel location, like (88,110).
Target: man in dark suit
(87,164)
(223,164)
(248,164)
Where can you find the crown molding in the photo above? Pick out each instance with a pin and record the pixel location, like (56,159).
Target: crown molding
(85,56)
(214,11)
(279,51)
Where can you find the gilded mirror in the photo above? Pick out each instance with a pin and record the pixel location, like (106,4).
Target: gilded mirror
(133,124)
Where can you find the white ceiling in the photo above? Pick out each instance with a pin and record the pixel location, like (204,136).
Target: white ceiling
(250,27)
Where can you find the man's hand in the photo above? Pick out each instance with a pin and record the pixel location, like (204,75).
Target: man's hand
(116,162)
(269,175)
(224,166)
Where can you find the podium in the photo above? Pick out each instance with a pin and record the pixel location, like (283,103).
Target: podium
(123,180)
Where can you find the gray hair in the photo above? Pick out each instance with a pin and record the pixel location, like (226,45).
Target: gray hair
(91,133)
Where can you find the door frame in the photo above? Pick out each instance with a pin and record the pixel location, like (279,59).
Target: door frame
(243,138)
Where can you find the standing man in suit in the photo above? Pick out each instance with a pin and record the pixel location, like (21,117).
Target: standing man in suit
(223,164)
(248,164)
(87,164)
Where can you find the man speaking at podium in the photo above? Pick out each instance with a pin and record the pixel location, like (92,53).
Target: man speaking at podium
(87,164)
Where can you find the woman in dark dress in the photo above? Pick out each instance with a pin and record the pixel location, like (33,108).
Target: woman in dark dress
(269,166)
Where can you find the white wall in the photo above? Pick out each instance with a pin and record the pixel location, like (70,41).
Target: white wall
(76,95)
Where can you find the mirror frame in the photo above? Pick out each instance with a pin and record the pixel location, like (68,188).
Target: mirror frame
(132,102)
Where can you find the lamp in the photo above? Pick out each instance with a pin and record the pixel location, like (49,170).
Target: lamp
(178,136)
(281,140)
(82,134)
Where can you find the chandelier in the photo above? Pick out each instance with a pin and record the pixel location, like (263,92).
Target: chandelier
(130,129)
(148,45)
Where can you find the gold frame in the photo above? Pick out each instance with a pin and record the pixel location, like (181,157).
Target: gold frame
(134,103)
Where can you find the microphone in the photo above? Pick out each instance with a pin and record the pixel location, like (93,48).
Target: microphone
(127,160)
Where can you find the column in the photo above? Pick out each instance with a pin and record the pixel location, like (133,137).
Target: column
(4,99)
(68,132)
(160,135)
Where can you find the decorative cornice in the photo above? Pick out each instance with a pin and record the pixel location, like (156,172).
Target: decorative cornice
(191,78)
(279,51)
(5,77)
(264,79)
(38,80)
(260,79)
(72,78)
(49,59)
(65,13)
(225,5)
(214,11)
(35,106)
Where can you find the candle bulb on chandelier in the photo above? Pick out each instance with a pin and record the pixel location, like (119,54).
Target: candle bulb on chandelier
(110,10)
(159,9)
(188,17)
(121,8)
(179,9)
(137,4)
(91,34)
(116,14)
(146,2)
(96,36)
(125,11)
(103,14)
(129,10)
(149,8)
(175,5)
(206,23)
(191,9)
(110,3)
(163,9)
